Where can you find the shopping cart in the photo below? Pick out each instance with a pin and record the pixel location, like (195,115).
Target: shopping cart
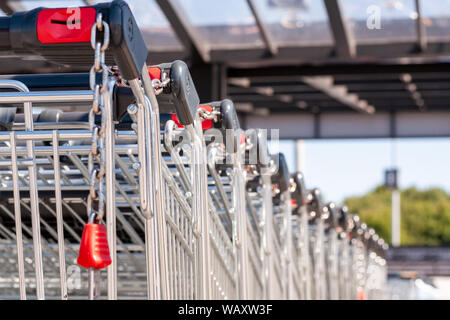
(225,148)
(344,227)
(376,267)
(184,184)
(318,213)
(118,183)
(331,252)
(358,259)
(61,170)
(280,232)
(301,256)
(259,208)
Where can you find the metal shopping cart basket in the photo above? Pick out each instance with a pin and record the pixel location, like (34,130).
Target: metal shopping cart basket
(331,252)
(98,165)
(301,256)
(344,227)
(376,267)
(225,147)
(258,169)
(280,232)
(301,234)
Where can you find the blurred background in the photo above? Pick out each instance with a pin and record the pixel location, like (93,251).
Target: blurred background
(356,90)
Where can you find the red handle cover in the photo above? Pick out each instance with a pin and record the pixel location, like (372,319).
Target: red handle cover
(65,25)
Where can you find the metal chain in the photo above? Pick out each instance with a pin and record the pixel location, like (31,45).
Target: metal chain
(159,85)
(209,115)
(98,81)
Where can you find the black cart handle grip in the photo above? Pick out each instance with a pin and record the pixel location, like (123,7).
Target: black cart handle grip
(180,94)
(229,122)
(281,177)
(300,193)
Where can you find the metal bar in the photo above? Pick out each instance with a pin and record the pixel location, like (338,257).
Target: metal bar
(110,190)
(59,217)
(28,113)
(338,93)
(146,192)
(343,37)
(153,114)
(18,219)
(420,26)
(297,70)
(46,96)
(265,34)
(185,31)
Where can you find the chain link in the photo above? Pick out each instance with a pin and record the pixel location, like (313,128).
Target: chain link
(98,81)
(159,85)
(208,115)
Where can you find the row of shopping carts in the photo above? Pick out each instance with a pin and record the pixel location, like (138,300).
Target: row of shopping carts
(120,183)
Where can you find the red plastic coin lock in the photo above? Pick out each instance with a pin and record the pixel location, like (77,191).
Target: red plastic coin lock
(293,203)
(207,123)
(94,249)
(65,25)
(154,72)
(361,295)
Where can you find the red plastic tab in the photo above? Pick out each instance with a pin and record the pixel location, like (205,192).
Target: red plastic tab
(361,295)
(174,118)
(94,249)
(242,139)
(154,72)
(65,25)
(207,123)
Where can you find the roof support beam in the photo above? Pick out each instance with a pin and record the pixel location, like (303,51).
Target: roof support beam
(339,69)
(265,34)
(346,125)
(185,31)
(343,37)
(9,7)
(266,91)
(421,33)
(338,93)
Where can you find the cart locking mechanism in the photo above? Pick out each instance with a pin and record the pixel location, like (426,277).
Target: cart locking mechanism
(176,93)
(63,36)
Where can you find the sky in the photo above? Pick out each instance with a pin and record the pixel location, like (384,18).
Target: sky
(343,168)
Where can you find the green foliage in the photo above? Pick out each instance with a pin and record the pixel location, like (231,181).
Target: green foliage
(425,214)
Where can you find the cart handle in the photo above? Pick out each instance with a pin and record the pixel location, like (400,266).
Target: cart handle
(333,215)
(181,92)
(315,203)
(299,194)
(63,35)
(281,177)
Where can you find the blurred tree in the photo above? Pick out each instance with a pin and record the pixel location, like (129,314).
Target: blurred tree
(425,214)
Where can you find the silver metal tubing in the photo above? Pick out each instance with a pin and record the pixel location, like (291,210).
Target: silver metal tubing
(305,256)
(151,201)
(241,223)
(59,217)
(287,242)
(267,235)
(153,110)
(44,96)
(18,218)
(110,190)
(28,113)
